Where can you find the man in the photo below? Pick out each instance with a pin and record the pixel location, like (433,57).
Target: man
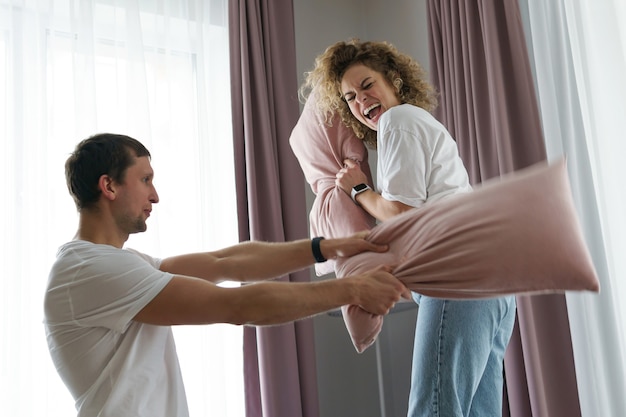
(108,310)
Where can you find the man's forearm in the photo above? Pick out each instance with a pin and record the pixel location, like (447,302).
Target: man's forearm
(278,302)
(255,260)
(189,300)
(245,262)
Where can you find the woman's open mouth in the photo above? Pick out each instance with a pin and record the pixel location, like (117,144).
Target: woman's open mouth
(372,111)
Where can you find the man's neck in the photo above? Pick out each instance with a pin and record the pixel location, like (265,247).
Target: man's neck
(95,228)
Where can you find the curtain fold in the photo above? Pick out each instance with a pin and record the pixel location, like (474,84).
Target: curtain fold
(579,61)
(279,361)
(480,65)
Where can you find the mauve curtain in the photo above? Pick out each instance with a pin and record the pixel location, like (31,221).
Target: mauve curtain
(279,361)
(480,65)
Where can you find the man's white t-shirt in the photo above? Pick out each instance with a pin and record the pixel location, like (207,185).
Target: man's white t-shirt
(418,160)
(112,365)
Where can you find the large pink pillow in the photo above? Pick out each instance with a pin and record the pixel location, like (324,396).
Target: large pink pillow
(518,234)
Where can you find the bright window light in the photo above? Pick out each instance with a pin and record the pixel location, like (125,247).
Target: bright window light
(154,70)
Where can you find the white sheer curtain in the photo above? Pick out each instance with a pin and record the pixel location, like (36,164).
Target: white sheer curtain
(156,70)
(579,50)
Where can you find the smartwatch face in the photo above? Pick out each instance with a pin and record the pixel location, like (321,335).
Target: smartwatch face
(359,187)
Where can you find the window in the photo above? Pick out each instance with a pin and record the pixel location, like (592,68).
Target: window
(157,71)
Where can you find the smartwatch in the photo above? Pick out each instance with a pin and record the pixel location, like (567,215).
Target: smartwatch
(358,189)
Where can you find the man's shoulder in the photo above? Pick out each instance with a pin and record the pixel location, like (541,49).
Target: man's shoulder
(88,250)
(84,258)
(78,246)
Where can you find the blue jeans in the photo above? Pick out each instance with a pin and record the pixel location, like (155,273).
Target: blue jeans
(458,356)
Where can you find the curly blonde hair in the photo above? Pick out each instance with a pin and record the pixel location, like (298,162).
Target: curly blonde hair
(399,69)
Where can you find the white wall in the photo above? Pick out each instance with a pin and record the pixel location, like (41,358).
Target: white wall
(350,384)
(319,23)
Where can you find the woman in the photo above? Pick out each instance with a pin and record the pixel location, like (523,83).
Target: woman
(384,97)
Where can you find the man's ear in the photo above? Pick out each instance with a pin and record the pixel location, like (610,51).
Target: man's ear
(107,187)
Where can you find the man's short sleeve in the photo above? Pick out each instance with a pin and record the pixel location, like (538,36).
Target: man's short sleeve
(103,286)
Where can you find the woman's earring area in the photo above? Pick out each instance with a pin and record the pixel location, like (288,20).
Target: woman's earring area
(397,83)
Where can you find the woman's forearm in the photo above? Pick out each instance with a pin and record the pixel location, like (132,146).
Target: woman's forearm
(379,207)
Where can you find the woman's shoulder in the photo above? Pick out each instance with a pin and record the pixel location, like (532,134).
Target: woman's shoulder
(409,117)
(409,109)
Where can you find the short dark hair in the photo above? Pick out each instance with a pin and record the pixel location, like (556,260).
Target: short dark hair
(102,154)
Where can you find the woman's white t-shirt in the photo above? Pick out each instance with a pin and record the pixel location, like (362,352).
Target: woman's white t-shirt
(418,160)
(112,365)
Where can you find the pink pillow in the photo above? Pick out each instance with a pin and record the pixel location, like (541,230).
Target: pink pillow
(518,234)
(321,150)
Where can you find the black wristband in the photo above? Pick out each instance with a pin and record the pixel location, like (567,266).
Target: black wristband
(317,252)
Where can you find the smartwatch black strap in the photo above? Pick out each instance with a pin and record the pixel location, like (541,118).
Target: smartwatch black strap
(317,252)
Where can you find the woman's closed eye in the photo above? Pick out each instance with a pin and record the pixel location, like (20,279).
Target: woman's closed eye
(348,97)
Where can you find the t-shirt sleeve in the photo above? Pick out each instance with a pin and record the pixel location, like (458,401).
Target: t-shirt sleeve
(418,163)
(448,174)
(115,287)
(403,166)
